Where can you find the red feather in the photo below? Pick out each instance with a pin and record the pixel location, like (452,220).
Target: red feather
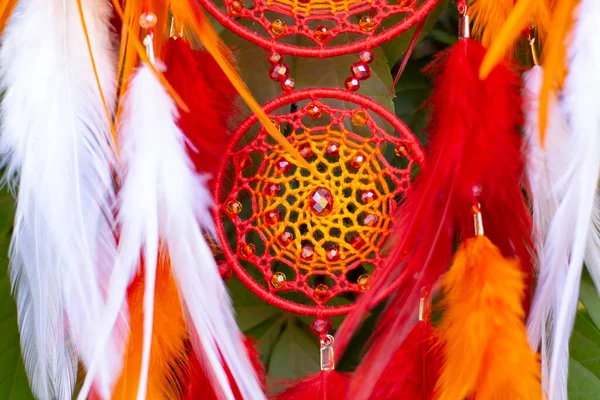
(414,369)
(474,148)
(205,89)
(198,385)
(325,385)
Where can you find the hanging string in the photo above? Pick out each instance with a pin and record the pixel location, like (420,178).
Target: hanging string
(408,54)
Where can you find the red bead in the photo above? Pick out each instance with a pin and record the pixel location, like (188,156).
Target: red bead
(365,56)
(224,270)
(332,253)
(370,220)
(322,33)
(333,149)
(285,238)
(288,84)
(273,216)
(321,201)
(358,160)
(275,57)
(305,150)
(283,165)
(279,72)
(314,111)
(272,189)
(321,291)
(360,70)
(321,326)
(357,242)
(307,253)
(368,196)
(352,84)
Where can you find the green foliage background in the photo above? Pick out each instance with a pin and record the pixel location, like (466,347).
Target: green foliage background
(288,347)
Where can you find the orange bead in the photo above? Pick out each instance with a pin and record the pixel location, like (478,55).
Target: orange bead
(278,26)
(366,23)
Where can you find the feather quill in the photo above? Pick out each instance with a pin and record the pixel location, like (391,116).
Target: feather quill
(163,200)
(63,245)
(168,349)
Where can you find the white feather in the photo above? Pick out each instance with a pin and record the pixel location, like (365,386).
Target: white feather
(55,144)
(163,200)
(547,173)
(570,233)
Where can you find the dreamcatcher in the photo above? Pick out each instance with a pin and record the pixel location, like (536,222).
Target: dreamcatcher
(323,202)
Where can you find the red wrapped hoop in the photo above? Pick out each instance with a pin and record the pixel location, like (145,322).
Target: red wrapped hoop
(321,21)
(313,236)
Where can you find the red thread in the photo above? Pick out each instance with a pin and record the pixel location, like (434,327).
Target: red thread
(267,40)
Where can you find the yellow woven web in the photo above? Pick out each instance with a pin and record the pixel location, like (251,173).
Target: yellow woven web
(306,6)
(346,185)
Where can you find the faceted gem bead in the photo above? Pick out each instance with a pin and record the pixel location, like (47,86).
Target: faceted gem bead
(363,282)
(148,20)
(273,216)
(401,150)
(352,83)
(359,118)
(333,149)
(288,84)
(286,238)
(243,160)
(360,71)
(247,250)
(321,291)
(332,253)
(368,196)
(314,111)
(365,56)
(321,201)
(321,326)
(278,26)
(278,280)
(322,33)
(224,270)
(358,160)
(370,220)
(357,242)
(279,72)
(275,58)
(272,189)
(283,165)
(236,7)
(233,207)
(308,252)
(305,150)
(366,23)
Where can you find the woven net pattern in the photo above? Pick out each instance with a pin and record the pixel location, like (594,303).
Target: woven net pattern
(308,241)
(320,28)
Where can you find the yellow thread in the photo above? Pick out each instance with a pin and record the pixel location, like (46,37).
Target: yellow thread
(345,187)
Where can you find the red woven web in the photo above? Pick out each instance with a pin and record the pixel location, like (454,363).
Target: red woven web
(365,177)
(271,23)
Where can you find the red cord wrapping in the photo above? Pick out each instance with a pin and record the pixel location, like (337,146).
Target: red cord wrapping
(225,191)
(344,21)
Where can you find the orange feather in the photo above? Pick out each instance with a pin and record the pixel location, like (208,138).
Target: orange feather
(486,353)
(555,56)
(169,336)
(525,12)
(488,18)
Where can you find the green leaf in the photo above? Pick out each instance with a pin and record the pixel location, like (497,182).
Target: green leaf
(589,297)
(13,380)
(396,47)
(295,354)
(584,366)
